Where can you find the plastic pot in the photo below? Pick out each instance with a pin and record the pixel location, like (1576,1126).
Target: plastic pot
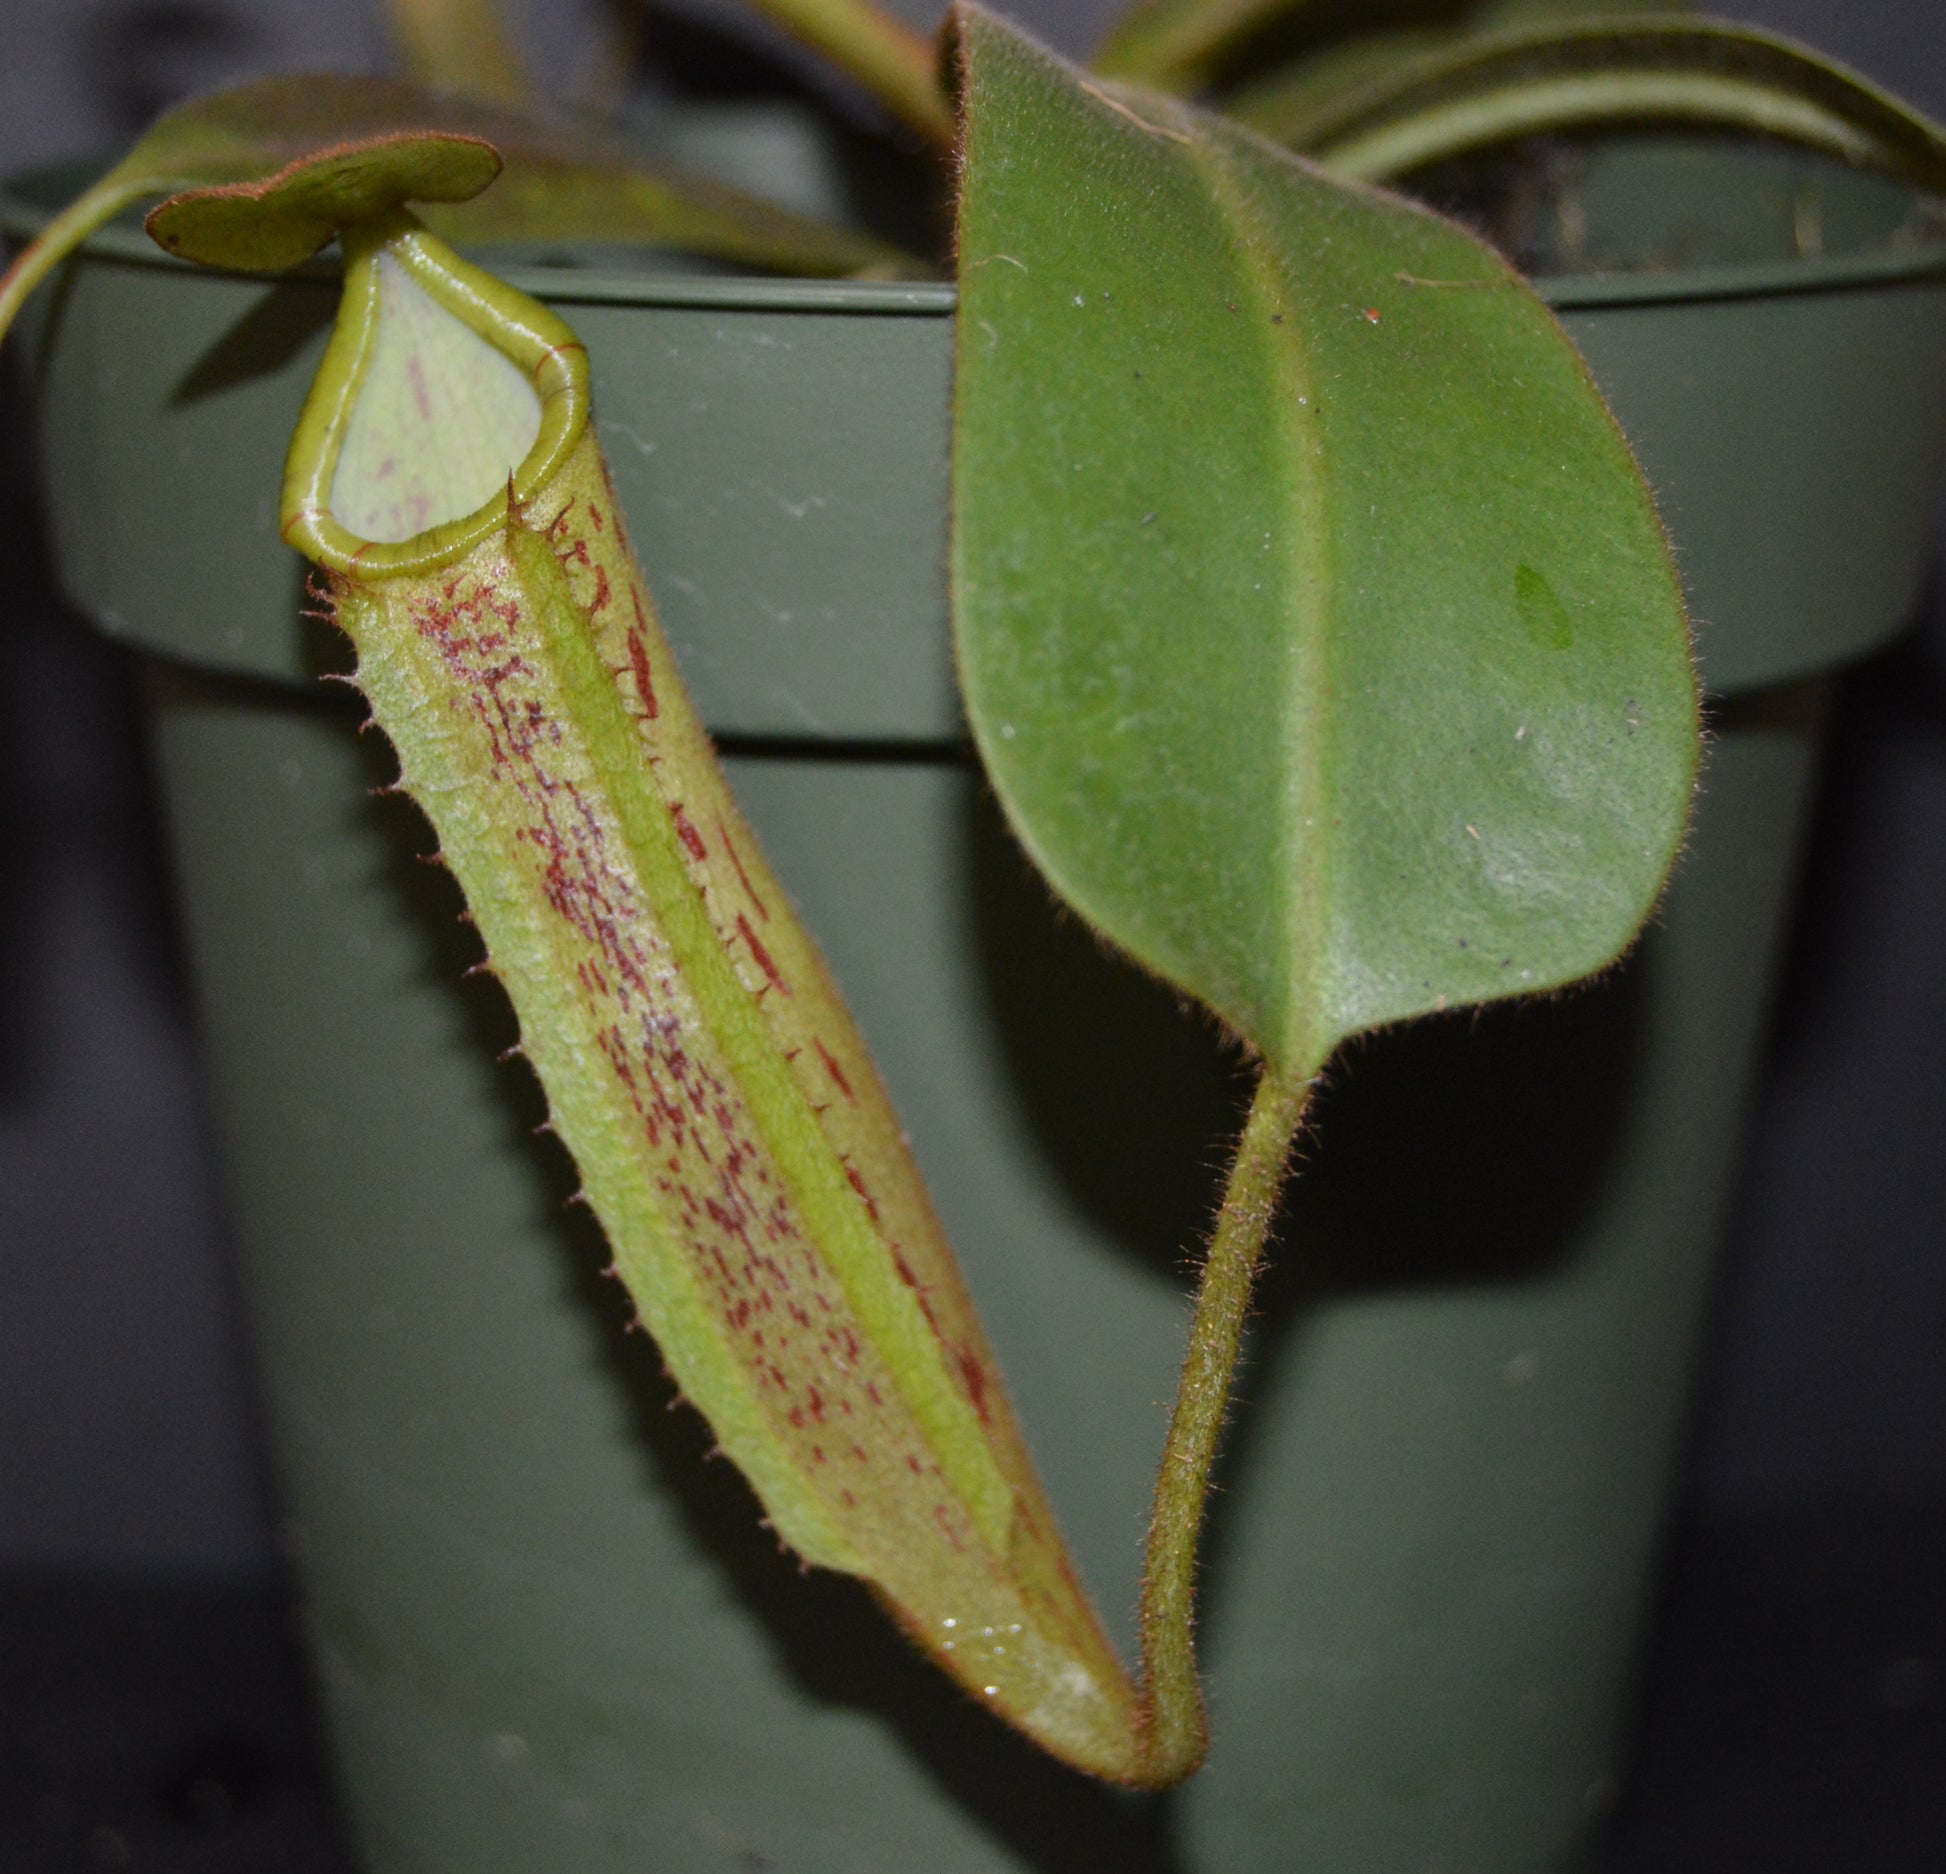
(548,1636)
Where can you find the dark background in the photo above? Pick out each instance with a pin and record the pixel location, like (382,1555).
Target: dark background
(1795,1710)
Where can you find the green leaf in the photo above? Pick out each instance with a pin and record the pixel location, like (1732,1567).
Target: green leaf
(564,185)
(1183,44)
(1317,80)
(890,59)
(1313,618)
(379,140)
(1493,15)
(459,45)
(1178,43)
(1485,90)
(1318,76)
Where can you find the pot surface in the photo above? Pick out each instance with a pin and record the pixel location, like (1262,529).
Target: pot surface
(548,1636)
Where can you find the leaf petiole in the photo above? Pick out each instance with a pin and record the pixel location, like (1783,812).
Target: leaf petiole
(1175,1733)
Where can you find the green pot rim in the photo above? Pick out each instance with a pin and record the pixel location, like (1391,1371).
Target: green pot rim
(23,212)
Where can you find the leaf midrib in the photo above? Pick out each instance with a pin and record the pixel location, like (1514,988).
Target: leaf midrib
(1301,564)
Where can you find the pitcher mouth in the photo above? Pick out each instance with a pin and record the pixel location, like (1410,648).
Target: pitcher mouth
(520,330)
